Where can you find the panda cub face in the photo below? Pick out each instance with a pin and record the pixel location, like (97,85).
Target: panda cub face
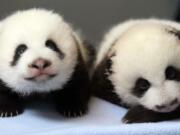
(38,51)
(145,66)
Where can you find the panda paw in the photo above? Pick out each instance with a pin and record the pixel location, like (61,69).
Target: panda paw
(130,119)
(72,111)
(9,113)
(139,114)
(10,109)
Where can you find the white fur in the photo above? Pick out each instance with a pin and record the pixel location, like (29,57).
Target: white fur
(143,48)
(33,27)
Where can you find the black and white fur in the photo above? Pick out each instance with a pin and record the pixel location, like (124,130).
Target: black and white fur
(40,54)
(138,66)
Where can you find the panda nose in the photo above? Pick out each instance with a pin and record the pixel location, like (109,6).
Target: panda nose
(40,64)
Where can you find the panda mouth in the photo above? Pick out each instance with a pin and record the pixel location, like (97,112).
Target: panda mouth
(41,77)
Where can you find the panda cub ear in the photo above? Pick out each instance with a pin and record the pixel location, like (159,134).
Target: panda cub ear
(86,48)
(175,32)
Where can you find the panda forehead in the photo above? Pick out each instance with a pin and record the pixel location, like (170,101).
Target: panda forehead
(35,23)
(33,16)
(147,55)
(149,33)
(154,39)
(29,30)
(32,36)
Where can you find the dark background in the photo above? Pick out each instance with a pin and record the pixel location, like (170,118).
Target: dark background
(95,17)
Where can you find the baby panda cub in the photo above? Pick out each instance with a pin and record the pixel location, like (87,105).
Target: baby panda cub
(40,54)
(138,66)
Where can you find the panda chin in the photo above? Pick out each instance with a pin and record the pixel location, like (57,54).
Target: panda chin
(41,78)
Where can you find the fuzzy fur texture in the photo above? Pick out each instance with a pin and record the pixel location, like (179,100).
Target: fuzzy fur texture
(142,49)
(33,28)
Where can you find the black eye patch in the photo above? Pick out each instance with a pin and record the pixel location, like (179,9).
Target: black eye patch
(18,52)
(52,45)
(171,73)
(141,86)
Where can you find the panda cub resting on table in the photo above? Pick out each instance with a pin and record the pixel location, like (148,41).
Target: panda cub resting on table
(138,66)
(40,54)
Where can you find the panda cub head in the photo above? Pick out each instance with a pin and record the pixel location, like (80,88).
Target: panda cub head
(38,51)
(144,64)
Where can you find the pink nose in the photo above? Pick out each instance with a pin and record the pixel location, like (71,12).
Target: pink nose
(40,64)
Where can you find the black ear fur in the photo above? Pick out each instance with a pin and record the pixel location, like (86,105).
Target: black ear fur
(174,31)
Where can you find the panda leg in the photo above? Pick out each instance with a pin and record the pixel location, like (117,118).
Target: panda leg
(139,114)
(71,103)
(73,99)
(10,105)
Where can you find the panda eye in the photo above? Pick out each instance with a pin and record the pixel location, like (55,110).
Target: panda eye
(52,45)
(141,86)
(21,49)
(18,52)
(171,73)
